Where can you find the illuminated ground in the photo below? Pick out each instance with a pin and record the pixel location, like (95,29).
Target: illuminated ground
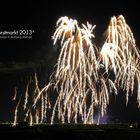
(101,132)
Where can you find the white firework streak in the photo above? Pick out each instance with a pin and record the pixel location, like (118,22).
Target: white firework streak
(42,109)
(16,111)
(26,114)
(30,118)
(26,97)
(37,116)
(41,95)
(15,94)
(120,54)
(138,97)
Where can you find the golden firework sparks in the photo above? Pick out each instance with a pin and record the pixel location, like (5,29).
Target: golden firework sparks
(120,53)
(77,73)
(80,78)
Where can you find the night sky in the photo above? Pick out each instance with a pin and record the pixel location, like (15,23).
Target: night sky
(42,16)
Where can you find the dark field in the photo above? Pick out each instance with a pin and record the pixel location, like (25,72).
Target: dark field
(71,131)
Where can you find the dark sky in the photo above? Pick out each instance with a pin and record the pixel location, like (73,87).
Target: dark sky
(42,16)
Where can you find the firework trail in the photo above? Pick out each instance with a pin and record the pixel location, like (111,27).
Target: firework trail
(120,54)
(37,117)
(15,94)
(26,97)
(16,111)
(30,119)
(43,96)
(32,113)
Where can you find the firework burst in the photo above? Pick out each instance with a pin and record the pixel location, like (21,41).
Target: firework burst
(77,76)
(81,80)
(120,54)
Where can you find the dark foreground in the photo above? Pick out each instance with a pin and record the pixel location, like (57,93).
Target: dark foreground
(73,132)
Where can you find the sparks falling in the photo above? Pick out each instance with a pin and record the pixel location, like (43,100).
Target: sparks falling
(77,63)
(120,54)
(78,81)
(81,80)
